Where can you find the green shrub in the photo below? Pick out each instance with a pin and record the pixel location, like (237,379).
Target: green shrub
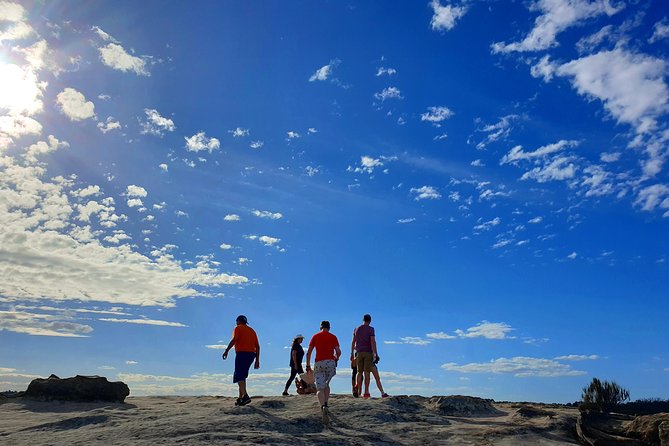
(602,396)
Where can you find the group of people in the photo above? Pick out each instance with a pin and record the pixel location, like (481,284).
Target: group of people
(364,357)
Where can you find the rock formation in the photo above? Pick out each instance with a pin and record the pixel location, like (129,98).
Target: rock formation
(78,388)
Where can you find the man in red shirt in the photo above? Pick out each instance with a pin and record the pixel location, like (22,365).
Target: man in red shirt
(247,348)
(325,364)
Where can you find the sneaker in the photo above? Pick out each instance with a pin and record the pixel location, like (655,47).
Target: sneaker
(384,395)
(366,396)
(326,415)
(238,401)
(285,394)
(244,400)
(355,391)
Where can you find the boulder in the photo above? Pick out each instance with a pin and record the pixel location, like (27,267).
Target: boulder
(616,429)
(78,388)
(463,406)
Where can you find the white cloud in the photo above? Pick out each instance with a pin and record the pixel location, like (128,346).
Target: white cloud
(135,191)
(560,168)
(292,135)
(519,366)
(630,85)
(556,16)
(42,147)
(406,220)
(367,164)
(445,17)
(144,322)
(256,144)
(131,362)
(517,153)
(311,171)
(74,105)
(88,191)
(577,358)
(103,35)
(385,71)
(536,220)
(156,124)
(610,157)
(11,12)
(217,346)
(488,225)
(325,72)
(20,91)
(410,340)
(440,335)
(268,214)
(37,324)
(425,193)
(502,243)
(225,246)
(115,56)
(239,132)
(163,167)
(264,239)
(232,217)
(200,142)
(660,31)
(436,115)
(572,256)
(388,93)
(652,197)
(488,330)
(109,125)
(498,131)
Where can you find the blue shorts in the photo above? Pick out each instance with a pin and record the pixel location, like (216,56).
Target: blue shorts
(243,361)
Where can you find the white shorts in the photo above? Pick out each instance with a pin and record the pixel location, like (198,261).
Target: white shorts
(323,372)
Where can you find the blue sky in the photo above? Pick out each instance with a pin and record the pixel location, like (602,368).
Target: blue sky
(488,179)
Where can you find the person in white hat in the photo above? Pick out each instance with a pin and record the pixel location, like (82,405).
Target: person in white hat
(296,355)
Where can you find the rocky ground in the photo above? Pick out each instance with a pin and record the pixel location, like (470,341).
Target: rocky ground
(292,420)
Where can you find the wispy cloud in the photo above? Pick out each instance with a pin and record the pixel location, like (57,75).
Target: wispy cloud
(436,115)
(114,56)
(519,366)
(268,214)
(425,193)
(144,322)
(389,93)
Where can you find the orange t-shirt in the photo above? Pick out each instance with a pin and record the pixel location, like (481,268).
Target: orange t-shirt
(245,338)
(324,342)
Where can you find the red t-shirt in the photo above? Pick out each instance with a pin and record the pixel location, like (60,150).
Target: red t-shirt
(324,342)
(245,337)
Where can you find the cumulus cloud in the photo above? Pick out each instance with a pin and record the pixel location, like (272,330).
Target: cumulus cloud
(74,105)
(519,366)
(232,217)
(268,214)
(436,115)
(369,163)
(43,147)
(114,56)
(558,169)
(557,16)
(256,144)
(410,340)
(630,85)
(381,71)
(445,17)
(264,239)
(654,196)
(487,330)
(660,31)
(292,135)
(425,193)
(135,191)
(38,324)
(577,358)
(388,93)
(200,142)
(156,124)
(239,132)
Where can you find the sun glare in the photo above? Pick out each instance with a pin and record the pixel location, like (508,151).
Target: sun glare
(20,90)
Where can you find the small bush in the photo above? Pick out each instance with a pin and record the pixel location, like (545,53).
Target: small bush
(602,396)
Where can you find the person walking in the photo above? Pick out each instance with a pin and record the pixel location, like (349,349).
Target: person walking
(325,364)
(247,348)
(363,350)
(296,355)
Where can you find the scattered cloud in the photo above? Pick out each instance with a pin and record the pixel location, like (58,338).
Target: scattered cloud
(517,154)
(268,214)
(156,124)
(143,322)
(232,217)
(445,17)
(256,144)
(38,324)
(406,220)
(488,330)
(200,142)
(577,358)
(488,225)
(264,239)
(239,132)
(383,71)
(131,362)
(572,256)
(114,56)
(556,16)
(410,340)
(217,346)
(498,131)
(292,135)
(74,105)
(388,93)
(109,125)
(311,171)
(519,366)
(225,246)
(368,164)
(660,31)
(425,193)
(436,115)
(325,72)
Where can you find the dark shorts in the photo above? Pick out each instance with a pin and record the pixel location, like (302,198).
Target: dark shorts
(243,361)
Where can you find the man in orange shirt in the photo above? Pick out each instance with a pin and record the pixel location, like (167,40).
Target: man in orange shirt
(247,348)
(325,364)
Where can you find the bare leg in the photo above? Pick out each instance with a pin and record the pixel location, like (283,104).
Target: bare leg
(359,381)
(366,382)
(377,378)
(323,396)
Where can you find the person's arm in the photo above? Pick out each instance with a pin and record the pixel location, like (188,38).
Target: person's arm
(353,345)
(257,364)
(373,340)
(311,348)
(338,353)
(230,344)
(293,356)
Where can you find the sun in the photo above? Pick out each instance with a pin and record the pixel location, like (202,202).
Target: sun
(20,90)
